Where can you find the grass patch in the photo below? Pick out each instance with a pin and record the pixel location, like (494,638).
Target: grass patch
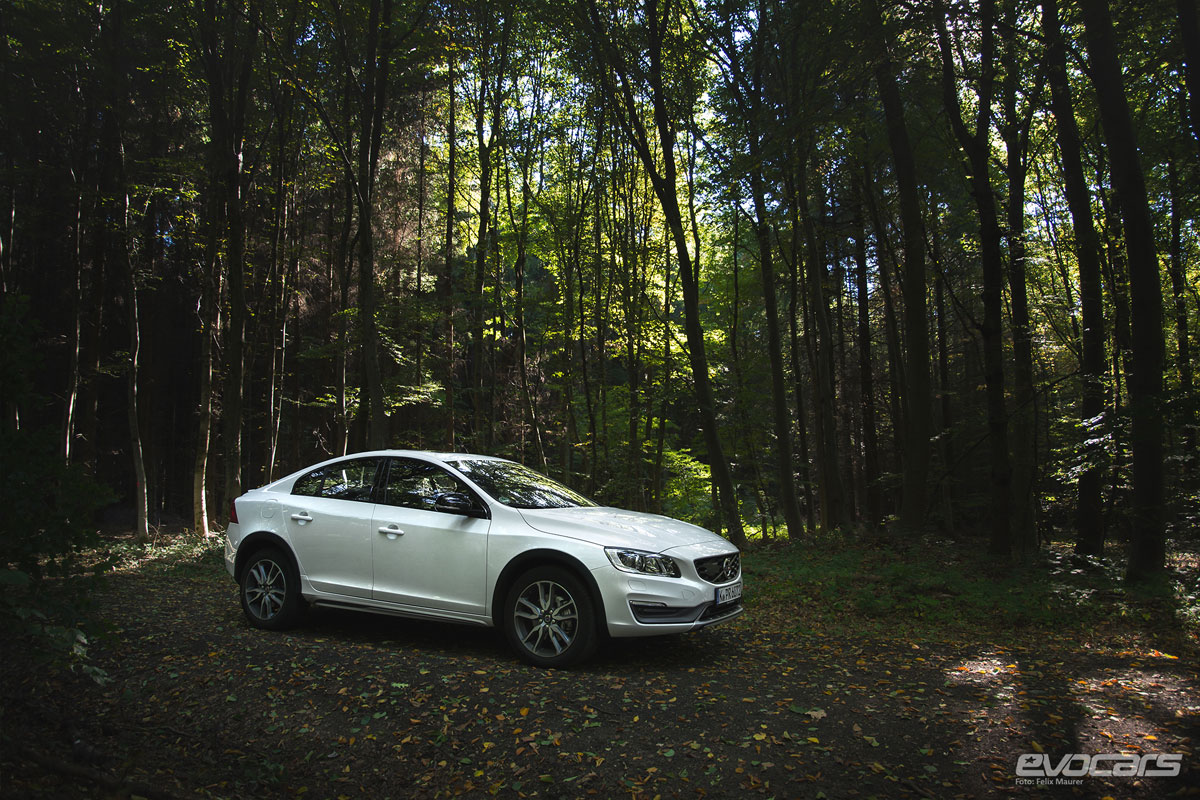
(930,588)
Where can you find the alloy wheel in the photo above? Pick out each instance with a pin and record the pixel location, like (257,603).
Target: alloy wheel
(266,589)
(546,618)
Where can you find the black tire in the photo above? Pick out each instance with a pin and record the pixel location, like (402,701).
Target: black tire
(549,618)
(270,590)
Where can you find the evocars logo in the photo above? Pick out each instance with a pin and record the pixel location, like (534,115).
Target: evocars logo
(1104,765)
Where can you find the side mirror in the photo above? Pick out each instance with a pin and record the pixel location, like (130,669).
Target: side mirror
(457,503)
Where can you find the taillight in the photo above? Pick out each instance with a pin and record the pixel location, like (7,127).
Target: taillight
(233,511)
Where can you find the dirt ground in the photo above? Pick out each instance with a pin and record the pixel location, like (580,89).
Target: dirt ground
(353,705)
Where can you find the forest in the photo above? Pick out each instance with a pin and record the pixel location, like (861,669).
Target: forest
(774,268)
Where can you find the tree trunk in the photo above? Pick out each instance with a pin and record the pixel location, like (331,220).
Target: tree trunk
(1147,552)
(375,78)
(946,434)
(1183,350)
(342,259)
(870,437)
(1189,36)
(229,56)
(886,260)
(785,473)
(1089,519)
(210,325)
(694,334)
(1015,132)
(446,281)
(481,253)
(664,177)
(830,491)
(917,392)
(589,401)
(116,235)
(660,444)
(794,313)
(141,505)
(977,150)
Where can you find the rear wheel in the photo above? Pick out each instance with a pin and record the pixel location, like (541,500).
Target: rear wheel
(270,590)
(549,618)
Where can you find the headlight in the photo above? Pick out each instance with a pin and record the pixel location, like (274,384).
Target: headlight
(642,562)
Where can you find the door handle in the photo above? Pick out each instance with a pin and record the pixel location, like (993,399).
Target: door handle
(302,517)
(391,531)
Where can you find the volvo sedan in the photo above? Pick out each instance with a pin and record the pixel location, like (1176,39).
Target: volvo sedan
(476,540)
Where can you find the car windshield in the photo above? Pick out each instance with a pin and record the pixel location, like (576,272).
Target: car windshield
(518,486)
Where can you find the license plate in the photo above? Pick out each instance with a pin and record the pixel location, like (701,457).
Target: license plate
(727,594)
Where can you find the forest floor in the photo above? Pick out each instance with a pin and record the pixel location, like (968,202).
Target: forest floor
(858,671)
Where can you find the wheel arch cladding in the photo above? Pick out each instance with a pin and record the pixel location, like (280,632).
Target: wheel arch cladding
(253,544)
(537,558)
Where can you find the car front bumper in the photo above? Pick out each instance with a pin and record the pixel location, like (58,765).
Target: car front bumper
(649,605)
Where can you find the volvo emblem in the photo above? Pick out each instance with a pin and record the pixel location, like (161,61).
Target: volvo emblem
(728,568)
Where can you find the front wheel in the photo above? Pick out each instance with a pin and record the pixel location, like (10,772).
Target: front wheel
(549,618)
(270,590)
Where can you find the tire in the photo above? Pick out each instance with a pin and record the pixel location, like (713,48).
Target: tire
(549,618)
(270,590)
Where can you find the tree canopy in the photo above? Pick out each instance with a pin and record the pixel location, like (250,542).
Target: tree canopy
(771,267)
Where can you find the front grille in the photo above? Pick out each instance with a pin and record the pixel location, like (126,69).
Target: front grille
(720,569)
(715,612)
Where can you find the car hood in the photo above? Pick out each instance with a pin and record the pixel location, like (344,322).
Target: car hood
(615,527)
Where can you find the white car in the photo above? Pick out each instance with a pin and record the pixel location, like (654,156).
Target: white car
(476,540)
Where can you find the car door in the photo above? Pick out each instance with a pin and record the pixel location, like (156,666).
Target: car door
(328,517)
(425,557)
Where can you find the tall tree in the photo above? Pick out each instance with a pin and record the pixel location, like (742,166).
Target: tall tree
(622,84)
(445,282)
(873,505)
(116,236)
(491,63)
(747,91)
(1183,347)
(918,419)
(1147,552)
(373,96)
(228,44)
(1089,522)
(977,149)
(1189,36)
(1015,130)
(835,511)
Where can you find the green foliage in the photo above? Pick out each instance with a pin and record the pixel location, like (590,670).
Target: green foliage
(49,505)
(688,488)
(46,620)
(49,509)
(938,588)
(189,554)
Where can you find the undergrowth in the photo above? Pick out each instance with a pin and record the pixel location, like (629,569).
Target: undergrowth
(930,588)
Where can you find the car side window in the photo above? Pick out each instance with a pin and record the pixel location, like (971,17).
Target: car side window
(345,480)
(417,484)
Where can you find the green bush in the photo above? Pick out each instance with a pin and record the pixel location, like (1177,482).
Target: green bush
(49,511)
(49,506)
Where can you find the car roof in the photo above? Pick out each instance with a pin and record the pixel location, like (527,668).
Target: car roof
(431,455)
(434,454)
